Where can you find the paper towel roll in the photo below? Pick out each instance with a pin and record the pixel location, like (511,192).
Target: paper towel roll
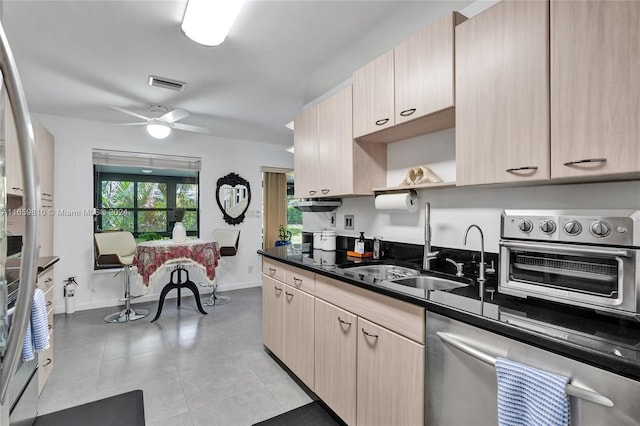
(399,202)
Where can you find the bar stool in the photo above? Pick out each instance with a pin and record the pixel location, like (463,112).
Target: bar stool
(228,240)
(118,249)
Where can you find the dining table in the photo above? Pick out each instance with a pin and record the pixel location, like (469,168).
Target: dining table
(155,256)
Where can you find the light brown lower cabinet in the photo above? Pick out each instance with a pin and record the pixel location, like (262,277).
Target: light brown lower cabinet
(45,358)
(273,315)
(390,378)
(298,334)
(335,354)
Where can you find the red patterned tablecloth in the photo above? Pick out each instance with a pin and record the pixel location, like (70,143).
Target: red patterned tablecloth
(152,255)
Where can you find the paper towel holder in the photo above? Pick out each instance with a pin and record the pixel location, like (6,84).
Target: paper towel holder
(410,193)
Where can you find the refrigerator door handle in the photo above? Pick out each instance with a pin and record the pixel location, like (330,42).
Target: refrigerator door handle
(26,144)
(572,390)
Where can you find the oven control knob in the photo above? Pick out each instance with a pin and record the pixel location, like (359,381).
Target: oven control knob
(600,228)
(548,226)
(525,226)
(572,227)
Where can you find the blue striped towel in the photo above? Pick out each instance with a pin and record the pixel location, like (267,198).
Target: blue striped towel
(528,396)
(36,338)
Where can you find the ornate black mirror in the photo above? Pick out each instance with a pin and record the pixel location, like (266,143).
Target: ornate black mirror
(233,195)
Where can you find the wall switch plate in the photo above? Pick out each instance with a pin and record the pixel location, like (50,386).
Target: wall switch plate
(332,219)
(348,221)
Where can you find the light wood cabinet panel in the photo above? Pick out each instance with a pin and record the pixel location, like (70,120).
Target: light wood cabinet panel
(390,378)
(306,150)
(45,228)
(273,315)
(335,359)
(45,157)
(299,334)
(373,96)
(45,364)
(595,87)
(300,279)
(273,269)
(502,95)
(424,71)
(44,282)
(13,166)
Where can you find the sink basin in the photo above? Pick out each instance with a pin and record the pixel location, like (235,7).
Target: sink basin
(421,285)
(378,272)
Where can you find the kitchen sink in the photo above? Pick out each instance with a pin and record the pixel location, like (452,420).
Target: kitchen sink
(421,285)
(378,272)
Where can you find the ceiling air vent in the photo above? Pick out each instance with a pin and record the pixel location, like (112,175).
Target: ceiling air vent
(166,83)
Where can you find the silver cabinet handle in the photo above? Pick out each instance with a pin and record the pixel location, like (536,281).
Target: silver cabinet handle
(47,362)
(341,321)
(288,294)
(278,290)
(272,271)
(587,160)
(407,112)
(369,334)
(382,122)
(24,132)
(48,280)
(325,191)
(297,281)
(521,169)
(312,192)
(573,390)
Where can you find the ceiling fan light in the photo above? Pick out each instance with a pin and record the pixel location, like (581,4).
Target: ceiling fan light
(208,22)
(158,129)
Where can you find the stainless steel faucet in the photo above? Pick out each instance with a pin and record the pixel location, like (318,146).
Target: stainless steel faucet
(428,254)
(458,266)
(481,277)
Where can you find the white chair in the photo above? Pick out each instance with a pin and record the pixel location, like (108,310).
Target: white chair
(228,240)
(118,249)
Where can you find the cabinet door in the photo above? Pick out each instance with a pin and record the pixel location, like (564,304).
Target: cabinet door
(595,67)
(424,72)
(336,145)
(273,315)
(45,228)
(502,94)
(45,154)
(373,96)
(335,355)
(298,334)
(13,167)
(305,160)
(390,378)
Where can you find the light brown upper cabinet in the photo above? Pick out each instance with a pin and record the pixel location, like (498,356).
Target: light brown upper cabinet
(502,95)
(408,91)
(45,155)
(13,166)
(327,161)
(595,88)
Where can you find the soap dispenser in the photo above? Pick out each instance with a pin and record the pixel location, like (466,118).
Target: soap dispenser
(359,248)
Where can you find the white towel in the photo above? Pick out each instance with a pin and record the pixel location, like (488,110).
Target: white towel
(36,337)
(528,396)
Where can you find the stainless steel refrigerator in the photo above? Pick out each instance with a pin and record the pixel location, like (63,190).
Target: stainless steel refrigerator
(18,379)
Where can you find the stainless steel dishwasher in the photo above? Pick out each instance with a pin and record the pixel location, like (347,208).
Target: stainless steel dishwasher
(462,386)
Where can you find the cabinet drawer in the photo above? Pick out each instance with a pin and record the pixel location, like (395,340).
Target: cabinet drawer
(50,318)
(45,280)
(404,318)
(45,364)
(273,269)
(300,279)
(48,297)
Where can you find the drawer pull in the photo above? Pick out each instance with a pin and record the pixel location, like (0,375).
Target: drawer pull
(288,294)
(297,281)
(341,321)
(369,334)
(522,169)
(587,160)
(47,362)
(48,280)
(49,303)
(49,326)
(382,122)
(325,191)
(278,290)
(272,271)
(312,192)
(407,112)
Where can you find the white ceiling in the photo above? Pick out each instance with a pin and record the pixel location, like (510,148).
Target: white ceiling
(78,57)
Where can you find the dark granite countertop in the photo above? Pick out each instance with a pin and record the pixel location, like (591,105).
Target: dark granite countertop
(606,342)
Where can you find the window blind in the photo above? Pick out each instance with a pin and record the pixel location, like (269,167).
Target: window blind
(141,159)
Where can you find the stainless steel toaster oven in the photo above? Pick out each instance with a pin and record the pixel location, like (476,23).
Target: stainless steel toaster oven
(587,258)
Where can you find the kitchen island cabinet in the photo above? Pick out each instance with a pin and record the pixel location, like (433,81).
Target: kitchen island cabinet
(595,63)
(502,95)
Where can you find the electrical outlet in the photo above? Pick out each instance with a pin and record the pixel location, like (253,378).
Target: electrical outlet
(348,221)
(332,219)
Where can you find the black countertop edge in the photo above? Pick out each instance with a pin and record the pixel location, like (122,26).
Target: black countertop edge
(612,363)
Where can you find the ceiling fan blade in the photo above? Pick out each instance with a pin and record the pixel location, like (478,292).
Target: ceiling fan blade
(132,124)
(175,115)
(126,111)
(190,128)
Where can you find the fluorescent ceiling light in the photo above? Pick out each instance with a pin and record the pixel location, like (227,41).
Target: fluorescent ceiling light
(290,149)
(208,22)
(158,129)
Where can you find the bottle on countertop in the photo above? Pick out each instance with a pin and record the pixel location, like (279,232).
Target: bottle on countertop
(359,246)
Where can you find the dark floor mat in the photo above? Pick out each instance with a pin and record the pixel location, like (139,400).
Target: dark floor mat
(126,409)
(312,414)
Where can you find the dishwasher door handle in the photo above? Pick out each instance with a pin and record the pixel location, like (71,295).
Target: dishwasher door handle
(573,390)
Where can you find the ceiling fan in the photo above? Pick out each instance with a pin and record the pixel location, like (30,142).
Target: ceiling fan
(160,126)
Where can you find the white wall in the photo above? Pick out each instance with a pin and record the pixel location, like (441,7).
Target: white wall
(73,236)
(452,210)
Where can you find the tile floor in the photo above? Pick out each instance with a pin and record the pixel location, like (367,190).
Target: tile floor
(194,369)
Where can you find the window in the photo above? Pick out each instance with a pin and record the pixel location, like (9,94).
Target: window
(144,203)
